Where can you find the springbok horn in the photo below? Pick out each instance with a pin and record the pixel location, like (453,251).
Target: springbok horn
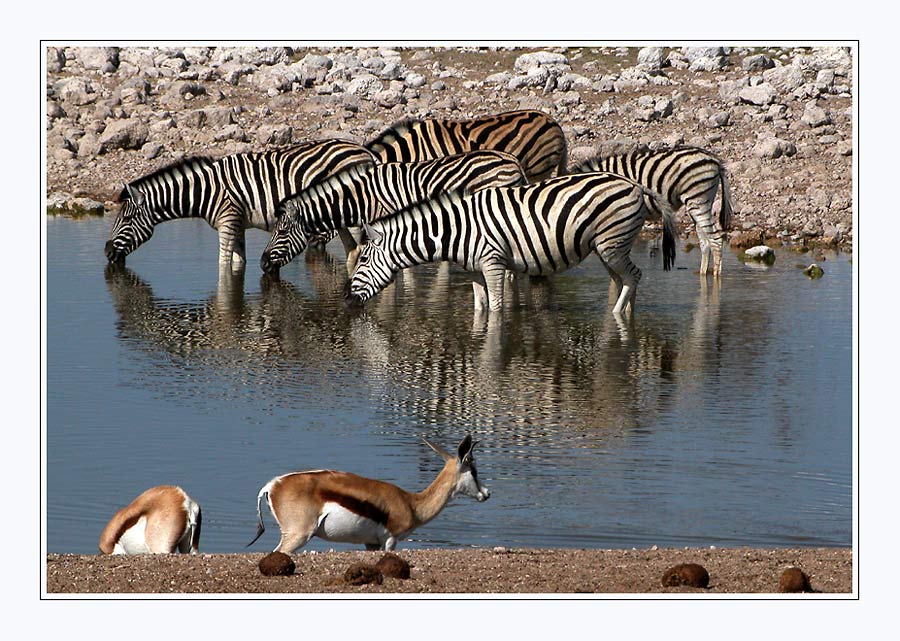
(437,448)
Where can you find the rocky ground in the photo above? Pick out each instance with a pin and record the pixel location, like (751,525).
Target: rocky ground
(781,119)
(501,570)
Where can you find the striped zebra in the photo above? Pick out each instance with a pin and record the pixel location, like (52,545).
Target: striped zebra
(687,176)
(537,229)
(232,193)
(529,135)
(365,193)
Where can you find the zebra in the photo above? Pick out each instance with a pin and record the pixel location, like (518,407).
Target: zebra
(365,193)
(536,229)
(529,135)
(688,176)
(232,193)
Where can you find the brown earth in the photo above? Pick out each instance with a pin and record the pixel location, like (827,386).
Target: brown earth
(785,198)
(501,570)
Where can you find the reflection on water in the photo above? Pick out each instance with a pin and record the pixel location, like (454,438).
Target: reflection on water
(691,424)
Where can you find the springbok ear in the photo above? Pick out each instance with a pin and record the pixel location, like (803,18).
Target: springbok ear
(437,448)
(373,233)
(465,447)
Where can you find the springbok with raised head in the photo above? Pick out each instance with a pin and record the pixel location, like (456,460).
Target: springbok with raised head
(164,519)
(344,507)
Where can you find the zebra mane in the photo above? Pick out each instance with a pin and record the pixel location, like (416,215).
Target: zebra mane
(405,123)
(451,195)
(318,186)
(190,162)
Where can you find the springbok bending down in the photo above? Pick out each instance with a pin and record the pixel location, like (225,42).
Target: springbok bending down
(163,519)
(344,507)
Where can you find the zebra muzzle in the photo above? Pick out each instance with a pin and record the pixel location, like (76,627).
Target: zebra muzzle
(113,255)
(351,298)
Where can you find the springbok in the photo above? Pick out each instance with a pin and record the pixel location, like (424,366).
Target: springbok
(163,519)
(344,507)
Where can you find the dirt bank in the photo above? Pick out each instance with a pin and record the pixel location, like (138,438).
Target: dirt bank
(521,571)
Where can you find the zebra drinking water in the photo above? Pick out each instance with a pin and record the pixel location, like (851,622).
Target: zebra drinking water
(537,229)
(365,193)
(534,138)
(231,194)
(687,176)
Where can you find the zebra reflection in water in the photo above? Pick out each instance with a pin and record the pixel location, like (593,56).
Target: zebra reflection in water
(542,370)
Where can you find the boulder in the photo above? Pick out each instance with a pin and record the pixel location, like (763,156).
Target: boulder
(729,90)
(758,62)
(813,271)
(814,115)
(651,57)
(89,146)
(694,53)
(105,59)
(785,79)
(277,135)
(388,98)
(124,134)
(760,253)
(76,90)
(554,63)
(707,64)
(56,60)
(365,84)
(761,94)
(774,148)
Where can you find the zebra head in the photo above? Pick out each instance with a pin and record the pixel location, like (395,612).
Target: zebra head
(132,227)
(289,238)
(375,268)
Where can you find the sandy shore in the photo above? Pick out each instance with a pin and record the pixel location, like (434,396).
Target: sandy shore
(517,571)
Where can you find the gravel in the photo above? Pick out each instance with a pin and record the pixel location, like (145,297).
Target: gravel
(499,570)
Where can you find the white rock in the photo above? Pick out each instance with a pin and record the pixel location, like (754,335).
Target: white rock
(760,252)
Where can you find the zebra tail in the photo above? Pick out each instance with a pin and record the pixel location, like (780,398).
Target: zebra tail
(562,168)
(260,528)
(726,209)
(670,229)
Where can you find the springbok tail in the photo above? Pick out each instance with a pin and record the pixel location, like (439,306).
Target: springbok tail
(260,528)
(195,531)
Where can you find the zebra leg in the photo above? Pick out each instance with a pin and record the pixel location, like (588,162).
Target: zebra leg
(704,255)
(615,283)
(480,293)
(717,242)
(494,277)
(619,261)
(239,254)
(699,207)
(229,231)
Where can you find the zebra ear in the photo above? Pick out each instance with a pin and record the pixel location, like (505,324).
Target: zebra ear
(135,195)
(373,233)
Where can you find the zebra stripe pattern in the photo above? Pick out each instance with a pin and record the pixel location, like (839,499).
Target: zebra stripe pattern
(534,138)
(365,193)
(537,229)
(231,194)
(687,176)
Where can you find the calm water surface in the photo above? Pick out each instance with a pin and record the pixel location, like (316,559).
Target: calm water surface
(722,416)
